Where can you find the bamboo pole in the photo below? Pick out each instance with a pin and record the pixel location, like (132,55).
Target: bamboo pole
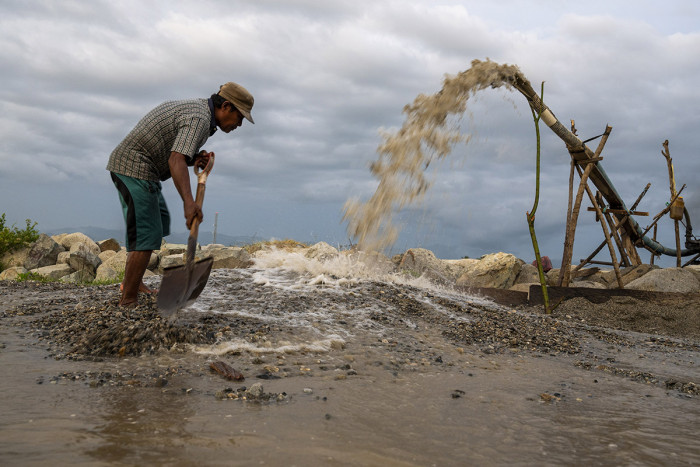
(663,212)
(672,181)
(613,256)
(572,220)
(614,233)
(653,256)
(565,271)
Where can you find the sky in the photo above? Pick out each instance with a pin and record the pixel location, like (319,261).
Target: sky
(328,78)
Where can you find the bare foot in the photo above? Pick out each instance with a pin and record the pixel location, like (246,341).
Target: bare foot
(142,288)
(129,304)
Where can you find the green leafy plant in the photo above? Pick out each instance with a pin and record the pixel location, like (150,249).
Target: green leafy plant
(13,238)
(32,276)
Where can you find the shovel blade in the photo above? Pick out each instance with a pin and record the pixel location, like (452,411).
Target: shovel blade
(179,288)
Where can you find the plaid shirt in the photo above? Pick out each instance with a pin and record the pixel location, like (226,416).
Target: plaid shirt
(179,126)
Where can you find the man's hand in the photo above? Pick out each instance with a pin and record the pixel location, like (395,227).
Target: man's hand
(192,212)
(202,159)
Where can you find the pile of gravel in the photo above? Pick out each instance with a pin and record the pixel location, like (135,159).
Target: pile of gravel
(109,330)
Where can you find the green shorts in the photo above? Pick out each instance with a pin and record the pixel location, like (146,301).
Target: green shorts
(145,212)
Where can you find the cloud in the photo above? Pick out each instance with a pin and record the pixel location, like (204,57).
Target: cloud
(327,78)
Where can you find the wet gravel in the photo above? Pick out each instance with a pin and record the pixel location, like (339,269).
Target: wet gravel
(85,323)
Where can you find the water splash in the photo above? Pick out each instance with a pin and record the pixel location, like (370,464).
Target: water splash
(404,156)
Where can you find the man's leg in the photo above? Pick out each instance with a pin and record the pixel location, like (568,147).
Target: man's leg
(136,264)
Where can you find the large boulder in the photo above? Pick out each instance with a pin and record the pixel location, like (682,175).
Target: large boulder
(63,257)
(11,274)
(110,244)
(456,268)
(170,260)
(321,251)
(54,272)
(371,262)
(528,275)
(680,280)
(74,238)
(106,273)
(84,259)
(115,261)
(167,249)
(43,252)
(421,262)
(14,258)
(228,257)
(496,270)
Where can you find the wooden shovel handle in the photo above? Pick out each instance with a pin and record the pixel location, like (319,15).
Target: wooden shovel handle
(201,188)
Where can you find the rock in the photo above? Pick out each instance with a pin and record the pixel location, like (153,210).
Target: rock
(228,257)
(59,238)
(679,280)
(43,252)
(552,276)
(255,391)
(11,274)
(458,267)
(227,371)
(84,275)
(14,258)
(53,272)
(110,244)
(496,270)
(71,239)
(421,262)
(106,273)
(213,246)
(116,261)
(546,263)
(63,257)
(371,261)
(528,274)
(106,254)
(83,258)
(168,249)
(170,260)
(321,251)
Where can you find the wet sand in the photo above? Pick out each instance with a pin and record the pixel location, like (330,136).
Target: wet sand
(422,379)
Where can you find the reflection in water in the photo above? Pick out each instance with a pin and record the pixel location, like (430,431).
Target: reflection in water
(142,425)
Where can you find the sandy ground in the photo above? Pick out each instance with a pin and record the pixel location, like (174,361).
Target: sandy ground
(473,381)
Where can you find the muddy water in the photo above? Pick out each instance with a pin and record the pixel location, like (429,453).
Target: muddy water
(362,383)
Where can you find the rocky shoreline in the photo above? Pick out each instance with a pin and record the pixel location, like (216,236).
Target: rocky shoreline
(77,258)
(84,323)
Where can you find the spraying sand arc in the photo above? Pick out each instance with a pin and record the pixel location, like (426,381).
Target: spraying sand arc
(426,136)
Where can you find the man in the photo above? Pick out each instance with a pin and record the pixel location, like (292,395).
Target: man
(162,145)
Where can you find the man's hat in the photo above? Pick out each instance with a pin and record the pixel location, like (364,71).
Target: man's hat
(239,97)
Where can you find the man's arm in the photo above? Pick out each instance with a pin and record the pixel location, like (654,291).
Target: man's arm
(181,177)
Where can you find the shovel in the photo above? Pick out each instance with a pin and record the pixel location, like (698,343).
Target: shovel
(182,284)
